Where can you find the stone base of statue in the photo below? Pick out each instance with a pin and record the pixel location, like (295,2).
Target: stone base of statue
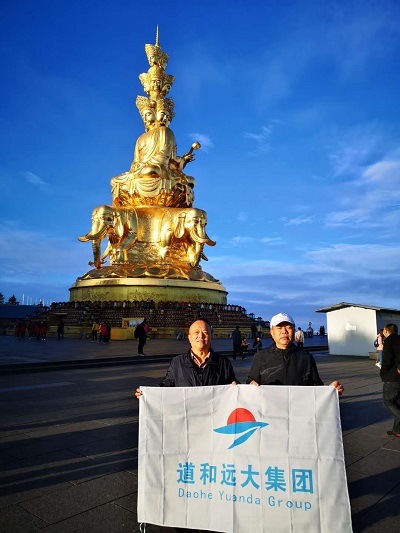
(88,288)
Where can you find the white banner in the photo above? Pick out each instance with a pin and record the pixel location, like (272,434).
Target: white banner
(242,459)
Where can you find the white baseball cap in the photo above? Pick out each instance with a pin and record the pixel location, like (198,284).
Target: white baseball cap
(281,317)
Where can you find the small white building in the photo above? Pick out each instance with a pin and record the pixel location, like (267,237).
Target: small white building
(352,328)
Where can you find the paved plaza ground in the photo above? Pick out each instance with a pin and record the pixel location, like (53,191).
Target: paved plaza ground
(68,437)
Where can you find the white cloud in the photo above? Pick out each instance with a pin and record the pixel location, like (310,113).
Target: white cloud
(358,259)
(347,38)
(35,180)
(204,140)
(239,241)
(357,37)
(385,174)
(261,139)
(365,274)
(374,207)
(298,220)
(366,179)
(271,241)
(40,259)
(351,150)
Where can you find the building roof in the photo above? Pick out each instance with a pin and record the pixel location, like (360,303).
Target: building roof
(20,311)
(342,305)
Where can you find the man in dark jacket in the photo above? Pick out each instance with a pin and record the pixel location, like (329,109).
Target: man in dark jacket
(237,343)
(390,375)
(283,363)
(60,329)
(200,366)
(141,334)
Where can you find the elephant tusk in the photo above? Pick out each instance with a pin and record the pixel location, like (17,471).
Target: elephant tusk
(93,236)
(202,240)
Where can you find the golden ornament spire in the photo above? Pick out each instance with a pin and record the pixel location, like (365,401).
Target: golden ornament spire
(155,55)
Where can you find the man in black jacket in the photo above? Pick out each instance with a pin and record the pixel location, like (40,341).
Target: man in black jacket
(237,343)
(390,375)
(200,365)
(141,334)
(283,363)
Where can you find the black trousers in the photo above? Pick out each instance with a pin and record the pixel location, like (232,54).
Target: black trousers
(142,342)
(237,348)
(391,400)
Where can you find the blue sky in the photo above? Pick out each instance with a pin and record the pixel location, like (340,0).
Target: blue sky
(296,104)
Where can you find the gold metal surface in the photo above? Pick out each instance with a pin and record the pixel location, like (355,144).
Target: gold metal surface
(151,230)
(158,290)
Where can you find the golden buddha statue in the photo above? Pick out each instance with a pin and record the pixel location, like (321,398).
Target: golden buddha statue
(156,175)
(152,227)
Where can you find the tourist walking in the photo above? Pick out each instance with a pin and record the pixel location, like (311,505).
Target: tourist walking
(390,375)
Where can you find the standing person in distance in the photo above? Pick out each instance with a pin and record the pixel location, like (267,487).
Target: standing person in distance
(237,343)
(95,330)
(60,329)
(390,375)
(141,334)
(104,332)
(380,339)
(299,338)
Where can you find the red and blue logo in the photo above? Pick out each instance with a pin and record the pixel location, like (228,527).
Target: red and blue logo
(240,422)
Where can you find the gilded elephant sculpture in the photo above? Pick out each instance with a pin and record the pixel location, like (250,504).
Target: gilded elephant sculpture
(154,227)
(120,225)
(187,226)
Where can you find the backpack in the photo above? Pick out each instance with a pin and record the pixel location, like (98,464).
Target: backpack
(376,343)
